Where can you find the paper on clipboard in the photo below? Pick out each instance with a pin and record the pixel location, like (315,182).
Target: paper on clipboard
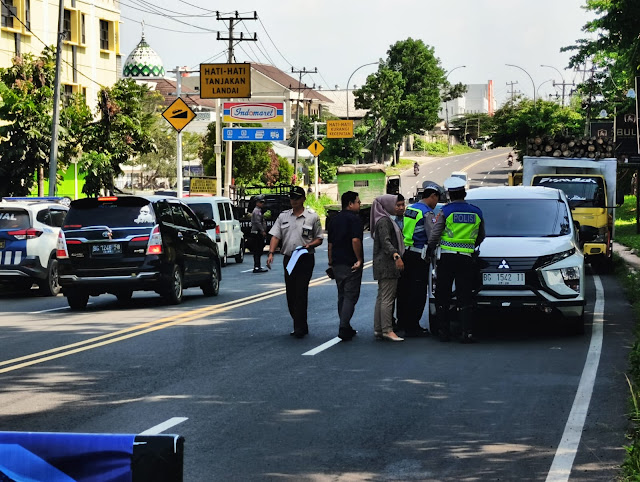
(299,251)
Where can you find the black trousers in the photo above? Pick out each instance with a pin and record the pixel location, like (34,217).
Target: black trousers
(462,270)
(257,247)
(297,284)
(412,291)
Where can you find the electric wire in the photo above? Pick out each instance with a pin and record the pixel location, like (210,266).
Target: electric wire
(163,28)
(178,14)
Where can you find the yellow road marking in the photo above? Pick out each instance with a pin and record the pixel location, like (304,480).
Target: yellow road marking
(148,327)
(478,162)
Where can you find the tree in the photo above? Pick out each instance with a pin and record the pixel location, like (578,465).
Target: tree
(473,126)
(615,52)
(122,131)
(26,105)
(403,96)
(517,121)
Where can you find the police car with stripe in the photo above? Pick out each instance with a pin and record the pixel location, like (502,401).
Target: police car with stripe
(29,229)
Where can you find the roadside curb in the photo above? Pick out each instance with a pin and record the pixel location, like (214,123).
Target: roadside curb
(628,255)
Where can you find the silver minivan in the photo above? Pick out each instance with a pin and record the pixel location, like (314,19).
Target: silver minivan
(227,233)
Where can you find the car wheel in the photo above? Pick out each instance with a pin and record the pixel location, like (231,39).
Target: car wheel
(174,289)
(212,286)
(77,301)
(575,324)
(124,296)
(51,285)
(224,260)
(240,256)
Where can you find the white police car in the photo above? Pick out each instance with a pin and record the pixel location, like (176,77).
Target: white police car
(29,229)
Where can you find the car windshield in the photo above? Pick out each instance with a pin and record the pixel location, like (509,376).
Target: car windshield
(118,213)
(581,191)
(529,218)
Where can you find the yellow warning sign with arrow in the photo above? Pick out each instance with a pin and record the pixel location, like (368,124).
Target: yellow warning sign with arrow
(315,148)
(179,114)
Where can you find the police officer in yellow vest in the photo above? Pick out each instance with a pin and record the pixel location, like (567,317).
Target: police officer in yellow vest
(412,285)
(459,229)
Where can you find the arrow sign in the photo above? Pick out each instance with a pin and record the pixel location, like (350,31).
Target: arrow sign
(178,114)
(315,148)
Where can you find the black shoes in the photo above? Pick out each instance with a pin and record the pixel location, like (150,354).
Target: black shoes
(299,334)
(467,338)
(260,270)
(346,334)
(417,333)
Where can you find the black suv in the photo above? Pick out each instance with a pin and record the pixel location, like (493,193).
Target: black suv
(120,244)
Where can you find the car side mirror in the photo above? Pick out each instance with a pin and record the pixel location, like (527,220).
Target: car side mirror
(209,224)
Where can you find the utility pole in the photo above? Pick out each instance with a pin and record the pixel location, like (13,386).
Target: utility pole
(588,117)
(315,158)
(300,88)
(233,21)
(179,139)
(512,92)
(55,125)
(563,84)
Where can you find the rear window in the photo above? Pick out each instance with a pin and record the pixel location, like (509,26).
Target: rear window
(202,210)
(14,219)
(122,212)
(581,191)
(524,217)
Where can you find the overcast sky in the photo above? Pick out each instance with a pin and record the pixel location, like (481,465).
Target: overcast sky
(338,36)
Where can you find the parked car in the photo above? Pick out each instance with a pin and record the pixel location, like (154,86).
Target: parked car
(462,175)
(531,257)
(121,244)
(29,230)
(227,233)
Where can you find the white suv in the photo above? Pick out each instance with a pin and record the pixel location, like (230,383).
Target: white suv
(530,257)
(29,230)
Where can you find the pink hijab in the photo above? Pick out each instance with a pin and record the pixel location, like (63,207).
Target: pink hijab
(385,206)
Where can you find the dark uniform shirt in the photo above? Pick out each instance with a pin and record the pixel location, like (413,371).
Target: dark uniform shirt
(344,227)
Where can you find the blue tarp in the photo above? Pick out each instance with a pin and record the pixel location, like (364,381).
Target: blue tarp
(65,457)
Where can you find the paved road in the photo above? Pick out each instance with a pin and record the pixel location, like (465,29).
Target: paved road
(259,406)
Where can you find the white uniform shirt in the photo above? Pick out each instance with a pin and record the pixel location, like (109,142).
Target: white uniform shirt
(296,231)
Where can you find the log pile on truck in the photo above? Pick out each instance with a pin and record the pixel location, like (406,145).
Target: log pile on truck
(570,146)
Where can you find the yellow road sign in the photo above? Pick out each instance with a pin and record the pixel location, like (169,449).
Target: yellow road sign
(178,114)
(337,129)
(315,148)
(225,81)
(202,185)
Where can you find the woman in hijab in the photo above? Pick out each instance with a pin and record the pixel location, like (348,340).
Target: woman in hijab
(388,247)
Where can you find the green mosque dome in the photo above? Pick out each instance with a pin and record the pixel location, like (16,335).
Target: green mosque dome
(143,62)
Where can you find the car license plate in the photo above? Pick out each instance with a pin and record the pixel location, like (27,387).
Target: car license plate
(503,279)
(100,249)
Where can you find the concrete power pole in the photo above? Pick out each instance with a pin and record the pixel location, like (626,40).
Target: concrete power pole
(512,92)
(233,21)
(55,125)
(300,88)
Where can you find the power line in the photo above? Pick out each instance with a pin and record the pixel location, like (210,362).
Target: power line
(163,28)
(171,18)
(178,14)
(276,47)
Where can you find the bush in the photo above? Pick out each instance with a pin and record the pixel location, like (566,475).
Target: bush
(318,205)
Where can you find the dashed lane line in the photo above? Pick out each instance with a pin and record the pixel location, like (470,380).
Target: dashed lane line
(166,425)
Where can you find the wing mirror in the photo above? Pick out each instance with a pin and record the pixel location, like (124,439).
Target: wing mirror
(208,224)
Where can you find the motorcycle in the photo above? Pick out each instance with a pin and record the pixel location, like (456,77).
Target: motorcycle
(416,170)
(510,161)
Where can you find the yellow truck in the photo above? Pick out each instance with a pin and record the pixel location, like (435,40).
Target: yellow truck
(590,186)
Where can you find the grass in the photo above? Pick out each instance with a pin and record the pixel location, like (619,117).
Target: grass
(626,235)
(626,224)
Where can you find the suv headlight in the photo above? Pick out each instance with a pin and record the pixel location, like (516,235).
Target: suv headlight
(563,281)
(554,258)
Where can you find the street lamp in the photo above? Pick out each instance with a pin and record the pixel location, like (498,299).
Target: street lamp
(446,108)
(348,81)
(546,81)
(532,82)
(561,76)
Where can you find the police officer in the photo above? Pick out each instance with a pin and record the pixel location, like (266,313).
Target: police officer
(412,285)
(459,229)
(297,227)
(258,233)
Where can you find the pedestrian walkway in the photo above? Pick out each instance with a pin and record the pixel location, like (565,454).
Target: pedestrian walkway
(628,255)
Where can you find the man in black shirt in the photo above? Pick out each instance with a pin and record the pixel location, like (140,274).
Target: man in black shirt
(346,257)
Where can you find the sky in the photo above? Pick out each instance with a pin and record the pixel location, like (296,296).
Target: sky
(339,36)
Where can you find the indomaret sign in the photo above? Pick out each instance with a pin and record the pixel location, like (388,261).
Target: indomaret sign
(225,81)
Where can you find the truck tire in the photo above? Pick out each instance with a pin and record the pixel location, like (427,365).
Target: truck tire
(212,286)
(78,301)
(240,256)
(173,286)
(50,286)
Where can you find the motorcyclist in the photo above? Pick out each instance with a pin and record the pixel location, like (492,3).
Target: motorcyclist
(416,168)
(510,159)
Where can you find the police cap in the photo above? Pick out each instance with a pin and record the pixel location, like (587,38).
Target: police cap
(429,188)
(454,184)
(259,198)
(297,192)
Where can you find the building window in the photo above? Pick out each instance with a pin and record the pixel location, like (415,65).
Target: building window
(104,35)
(8,12)
(27,14)
(66,32)
(83,29)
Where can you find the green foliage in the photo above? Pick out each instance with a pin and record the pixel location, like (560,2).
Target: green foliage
(613,47)
(98,167)
(305,137)
(319,204)
(26,90)
(285,171)
(470,124)
(517,121)
(626,224)
(122,131)
(403,96)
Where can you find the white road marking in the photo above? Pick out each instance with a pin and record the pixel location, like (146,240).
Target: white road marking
(52,309)
(323,347)
(565,454)
(172,422)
